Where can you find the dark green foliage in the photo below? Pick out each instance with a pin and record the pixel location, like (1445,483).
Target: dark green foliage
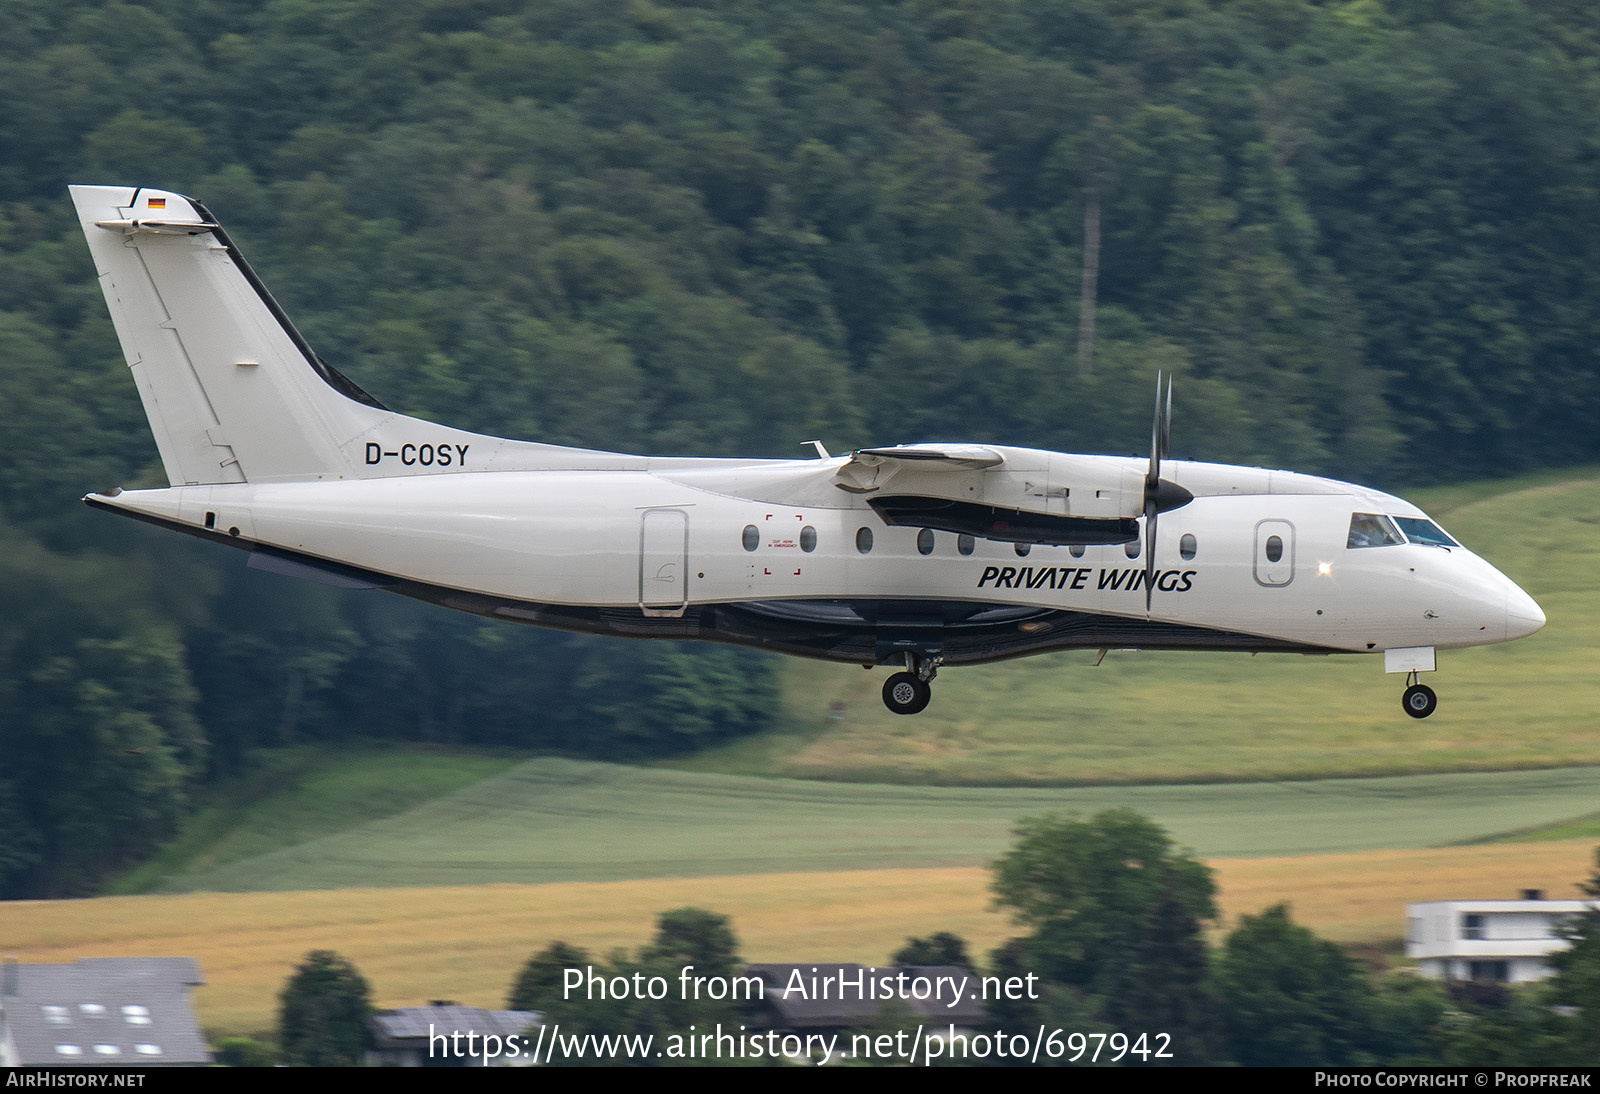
(1517,1030)
(693,936)
(1114,913)
(1291,999)
(684,937)
(244,1052)
(538,986)
(941,948)
(323,1013)
(1089,892)
(1577,981)
(97,715)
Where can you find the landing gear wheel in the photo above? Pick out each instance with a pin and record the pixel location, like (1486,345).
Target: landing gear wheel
(904,693)
(1419,701)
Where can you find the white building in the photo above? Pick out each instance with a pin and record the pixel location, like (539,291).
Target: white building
(1505,940)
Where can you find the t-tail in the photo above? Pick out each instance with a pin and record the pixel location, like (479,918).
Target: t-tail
(233,392)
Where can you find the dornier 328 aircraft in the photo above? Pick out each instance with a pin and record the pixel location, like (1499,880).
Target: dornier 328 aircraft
(915,556)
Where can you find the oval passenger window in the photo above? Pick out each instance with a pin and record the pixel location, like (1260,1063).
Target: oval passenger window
(925,541)
(864,540)
(751,538)
(1186,546)
(965,543)
(1274,548)
(808,539)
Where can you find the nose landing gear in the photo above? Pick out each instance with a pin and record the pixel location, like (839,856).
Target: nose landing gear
(909,692)
(1419,700)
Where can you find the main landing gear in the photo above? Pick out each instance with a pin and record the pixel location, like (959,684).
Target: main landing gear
(909,692)
(1419,700)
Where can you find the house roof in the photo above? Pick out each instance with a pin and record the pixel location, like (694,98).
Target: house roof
(1554,907)
(102,1011)
(394,1028)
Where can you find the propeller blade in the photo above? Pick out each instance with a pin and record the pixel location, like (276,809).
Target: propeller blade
(1152,477)
(1150,512)
(1160,449)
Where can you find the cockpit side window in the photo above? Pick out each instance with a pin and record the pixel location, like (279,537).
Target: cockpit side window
(1373,530)
(1426,532)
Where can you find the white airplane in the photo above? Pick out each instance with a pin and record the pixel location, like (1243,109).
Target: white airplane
(915,556)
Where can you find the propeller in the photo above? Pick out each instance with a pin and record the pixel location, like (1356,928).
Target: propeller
(1159,494)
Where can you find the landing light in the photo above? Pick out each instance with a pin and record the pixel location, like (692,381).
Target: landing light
(1324,569)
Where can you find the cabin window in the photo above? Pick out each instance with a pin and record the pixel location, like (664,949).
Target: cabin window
(1274,548)
(1424,532)
(1022,549)
(1077,550)
(1131,548)
(1372,530)
(925,541)
(808,539)
(1186,547)
(751,537)
(965,543)
(864,540)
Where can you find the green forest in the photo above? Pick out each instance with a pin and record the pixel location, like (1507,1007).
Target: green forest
(1362,234)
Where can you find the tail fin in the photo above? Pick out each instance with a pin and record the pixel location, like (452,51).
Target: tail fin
(232,391)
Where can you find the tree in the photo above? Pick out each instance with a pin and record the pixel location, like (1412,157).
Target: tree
(323,1013)
(672,1014)
(1087,890)
(1577,980)
(1166,986)
(694,936)
(541,979)
(1291,999)
(1116,917)
(942,948)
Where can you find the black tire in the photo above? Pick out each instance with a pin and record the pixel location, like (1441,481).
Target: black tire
(903,693)
(1419,701)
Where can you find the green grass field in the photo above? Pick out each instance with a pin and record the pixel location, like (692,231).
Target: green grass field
(298,795)
(1174,717)
(554,820)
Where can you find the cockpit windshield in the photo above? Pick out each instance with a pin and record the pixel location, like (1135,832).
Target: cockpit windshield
(1425,532)
(1373,530)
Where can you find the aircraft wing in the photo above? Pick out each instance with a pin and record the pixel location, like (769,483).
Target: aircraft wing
(1012,495)
(870,469)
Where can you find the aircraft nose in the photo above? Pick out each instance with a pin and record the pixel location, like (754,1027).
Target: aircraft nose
(1523,615)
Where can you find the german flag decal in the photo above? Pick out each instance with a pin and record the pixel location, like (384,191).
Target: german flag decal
(156,203)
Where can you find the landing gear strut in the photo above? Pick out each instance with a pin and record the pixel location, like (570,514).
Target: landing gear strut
(909,692)
(1419,700)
